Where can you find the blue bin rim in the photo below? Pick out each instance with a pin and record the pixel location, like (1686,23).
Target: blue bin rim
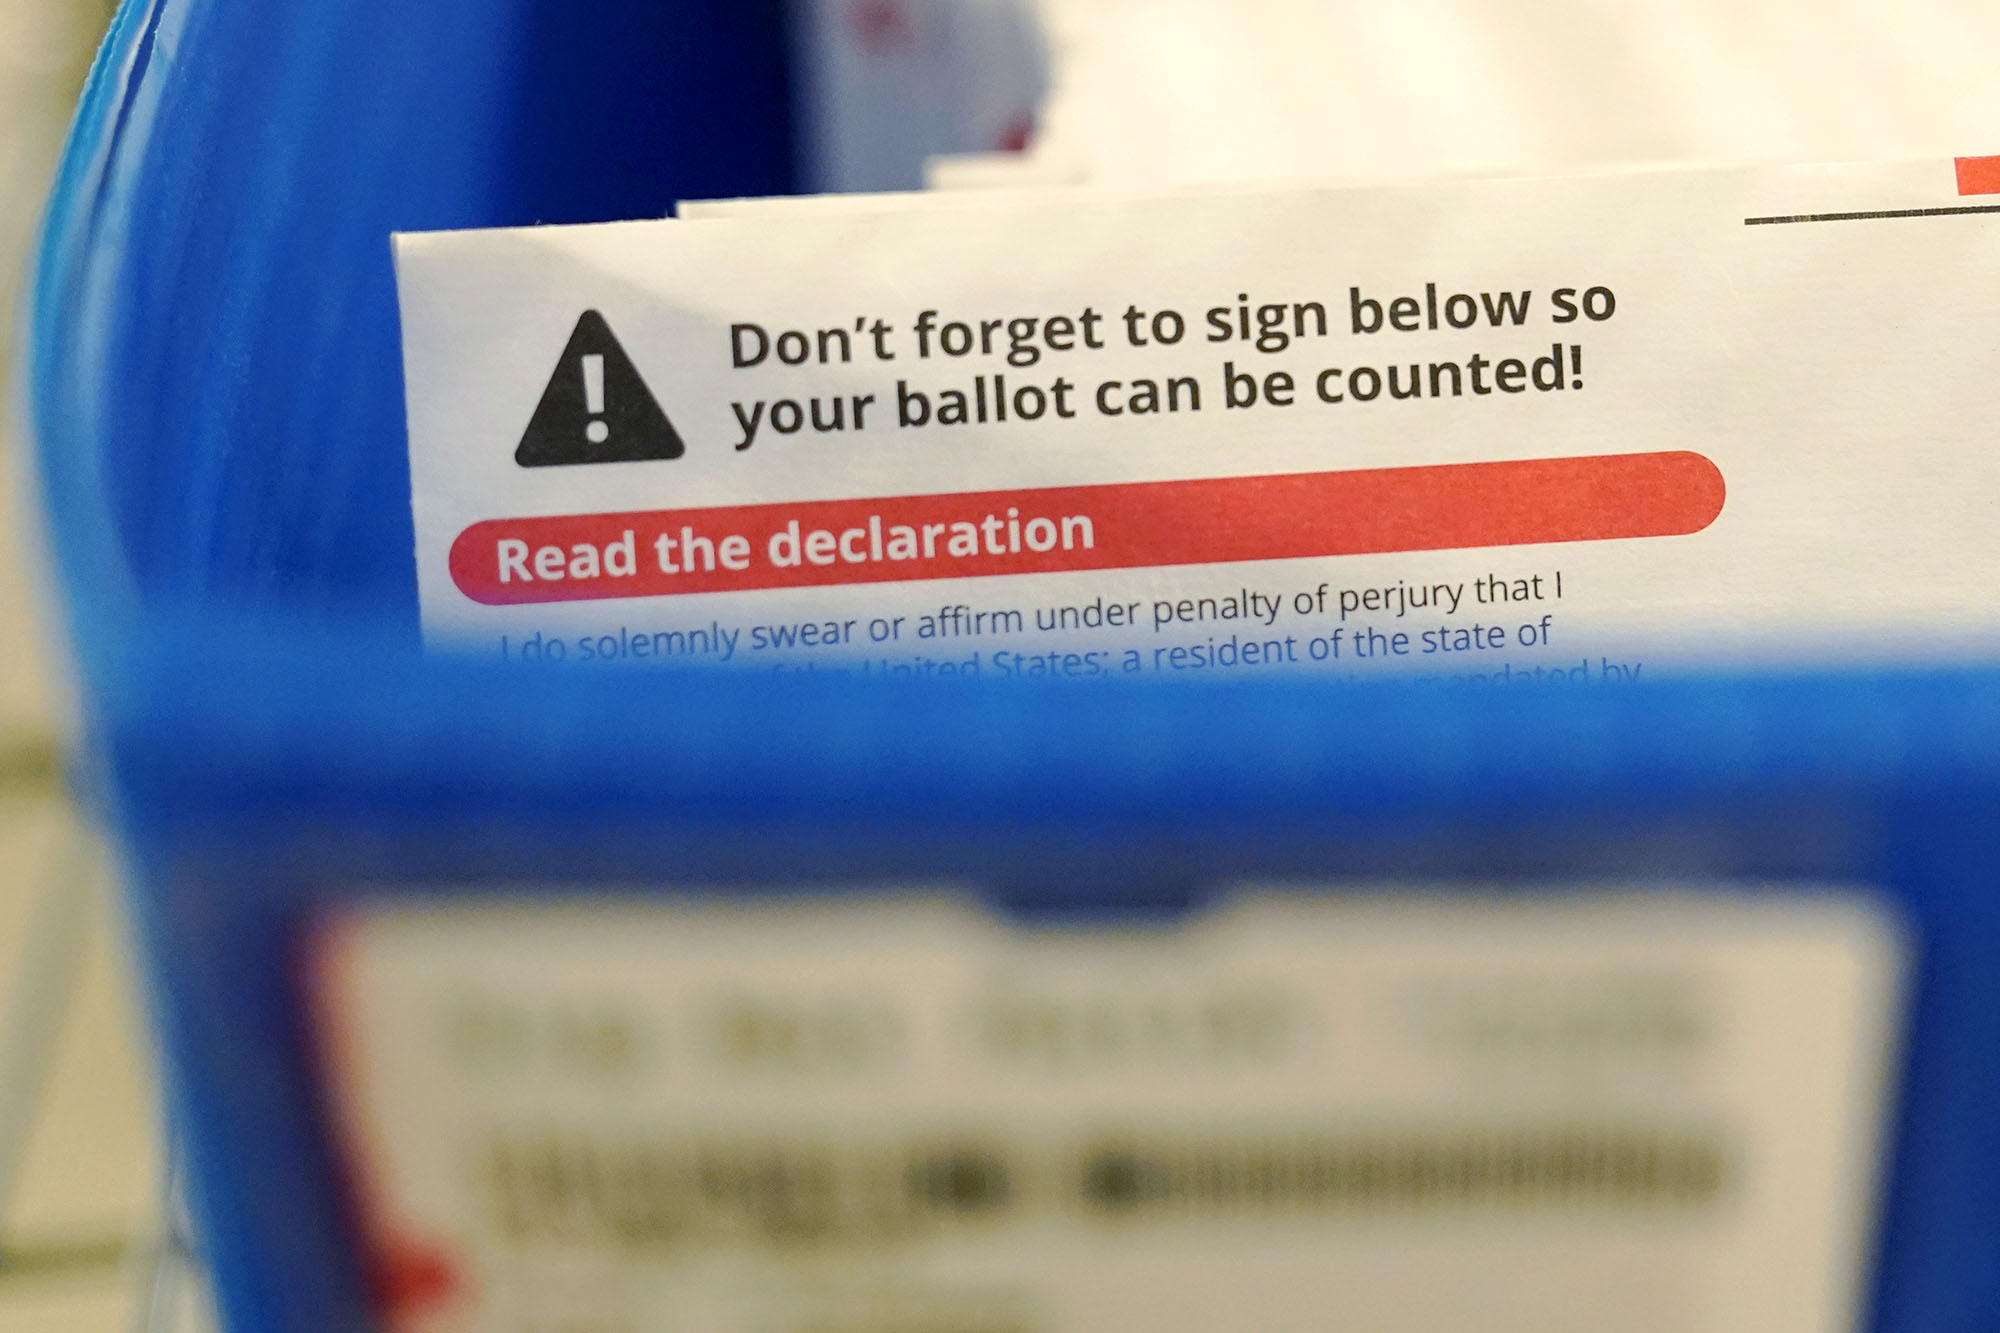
(282,691)
(64,314)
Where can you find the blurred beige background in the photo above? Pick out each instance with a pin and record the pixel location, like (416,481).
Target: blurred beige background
(79,1161)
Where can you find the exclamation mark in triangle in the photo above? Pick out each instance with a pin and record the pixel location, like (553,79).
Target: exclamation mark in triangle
(596,408)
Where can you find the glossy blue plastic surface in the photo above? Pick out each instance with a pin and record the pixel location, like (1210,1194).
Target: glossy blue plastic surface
(216,398)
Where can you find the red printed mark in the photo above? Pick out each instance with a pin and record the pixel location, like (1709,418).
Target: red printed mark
(1978,175)
(1017,134)
(411,1280)
(881,25)
(1058,529)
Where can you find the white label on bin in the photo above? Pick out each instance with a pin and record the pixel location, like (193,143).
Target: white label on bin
(1530,432)
(1401,1113)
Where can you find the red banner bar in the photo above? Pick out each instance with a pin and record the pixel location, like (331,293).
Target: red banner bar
(1067,528)
(1978,175)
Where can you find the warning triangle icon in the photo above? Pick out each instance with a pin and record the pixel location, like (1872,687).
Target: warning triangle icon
(596,408)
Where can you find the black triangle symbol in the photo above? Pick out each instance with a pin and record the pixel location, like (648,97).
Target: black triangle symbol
(596,408)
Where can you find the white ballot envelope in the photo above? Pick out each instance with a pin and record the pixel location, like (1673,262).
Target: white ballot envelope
(1546,432)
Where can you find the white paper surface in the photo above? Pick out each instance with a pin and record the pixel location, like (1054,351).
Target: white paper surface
(1814,398)
(1658,1115)
(1161,92)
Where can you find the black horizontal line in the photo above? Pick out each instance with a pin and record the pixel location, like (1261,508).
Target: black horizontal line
(1864,217)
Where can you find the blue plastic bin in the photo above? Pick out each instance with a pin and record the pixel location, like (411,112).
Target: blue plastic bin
(216,398)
